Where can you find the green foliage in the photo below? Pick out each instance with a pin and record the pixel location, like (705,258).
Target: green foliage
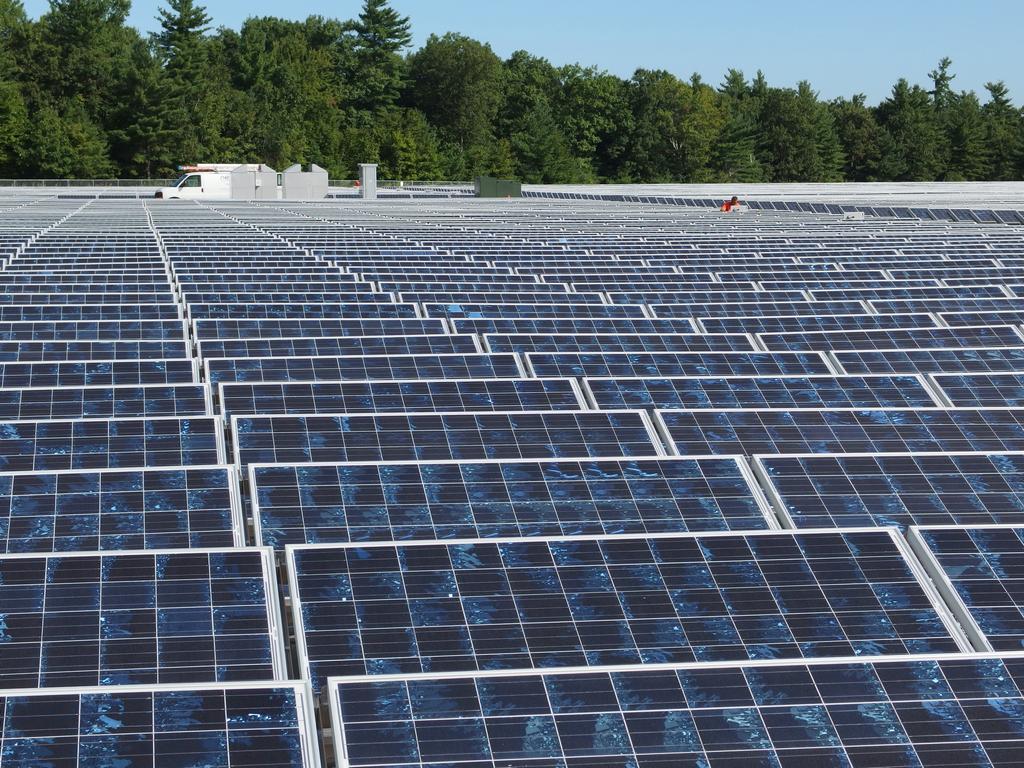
(82,94)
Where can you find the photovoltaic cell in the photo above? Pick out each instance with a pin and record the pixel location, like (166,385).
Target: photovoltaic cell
(695,342)
(137,618)
(364,367)
(440,436)
(437,344)
(965,360)
(598,364)
(313,504)
(115,443)
(982,389)
(416,607)
(948,711)
(401,396)
(238,724)
(984,336)
(85,511)
(896,489)
(98,372)
(871,391)
(815,430)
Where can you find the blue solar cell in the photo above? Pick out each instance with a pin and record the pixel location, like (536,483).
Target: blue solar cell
(571,325)
(116,443)
(690,342)
(964,360)
(508,311)
(285,329)
(135,618)
(759,308)
(902,712)
(982,389)
(754,431)
(441,436)
(939,338)
(423,396)
(369,310)
(99,372)
(873,391)
(675,363)
(310,504)
(413,607)
(364,367)
(324,346)
(896,489)
(56,351)
(782,324)
(122,509)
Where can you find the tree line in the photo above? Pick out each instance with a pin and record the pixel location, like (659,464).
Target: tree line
(82,94)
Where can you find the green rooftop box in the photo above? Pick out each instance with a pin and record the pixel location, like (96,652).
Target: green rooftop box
(488,186)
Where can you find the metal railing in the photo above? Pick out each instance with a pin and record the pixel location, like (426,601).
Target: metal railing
(86,182)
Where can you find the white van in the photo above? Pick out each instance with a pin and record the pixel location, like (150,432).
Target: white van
(210,181)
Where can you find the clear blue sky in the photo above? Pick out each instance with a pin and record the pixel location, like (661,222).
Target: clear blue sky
(842,47)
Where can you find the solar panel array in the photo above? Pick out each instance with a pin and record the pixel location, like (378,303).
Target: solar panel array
(550,484)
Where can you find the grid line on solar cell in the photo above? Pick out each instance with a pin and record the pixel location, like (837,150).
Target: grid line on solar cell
(110,443)
(687,392)
(695,342)
(101,402)
(894,489)
(979,336)
(121,509)
(98,372)
(602,364)
(952,360)
(403,396)
(941,711)
(439,436)
(413,607)
(816,430)
(365,367)
(324,346)
(170,616)
(311,504)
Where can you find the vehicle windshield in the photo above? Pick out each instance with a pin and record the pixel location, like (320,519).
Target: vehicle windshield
(180,179)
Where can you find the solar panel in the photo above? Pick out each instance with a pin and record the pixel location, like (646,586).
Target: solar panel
(467,395)
(816,430)
(440,436)
(759,308)
(98,372)
(674,363)
(287,329)
(85,619)
(946,711)
(982,389)
(270,724)
(940,338)
(101,402)
(895,489)
(364,367)
(869,391)
(413,607)
(65,312)
(783,323)
(511,311)
(122,509)
(87,330)
(57,351)
(694,342)
(541,325)
(437,344)
(369,310)
(960,360)
(328,503)
(167,441)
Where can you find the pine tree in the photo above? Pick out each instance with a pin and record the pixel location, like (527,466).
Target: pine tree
(182,26)
(1004,133)
(373,66)
(965,126)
